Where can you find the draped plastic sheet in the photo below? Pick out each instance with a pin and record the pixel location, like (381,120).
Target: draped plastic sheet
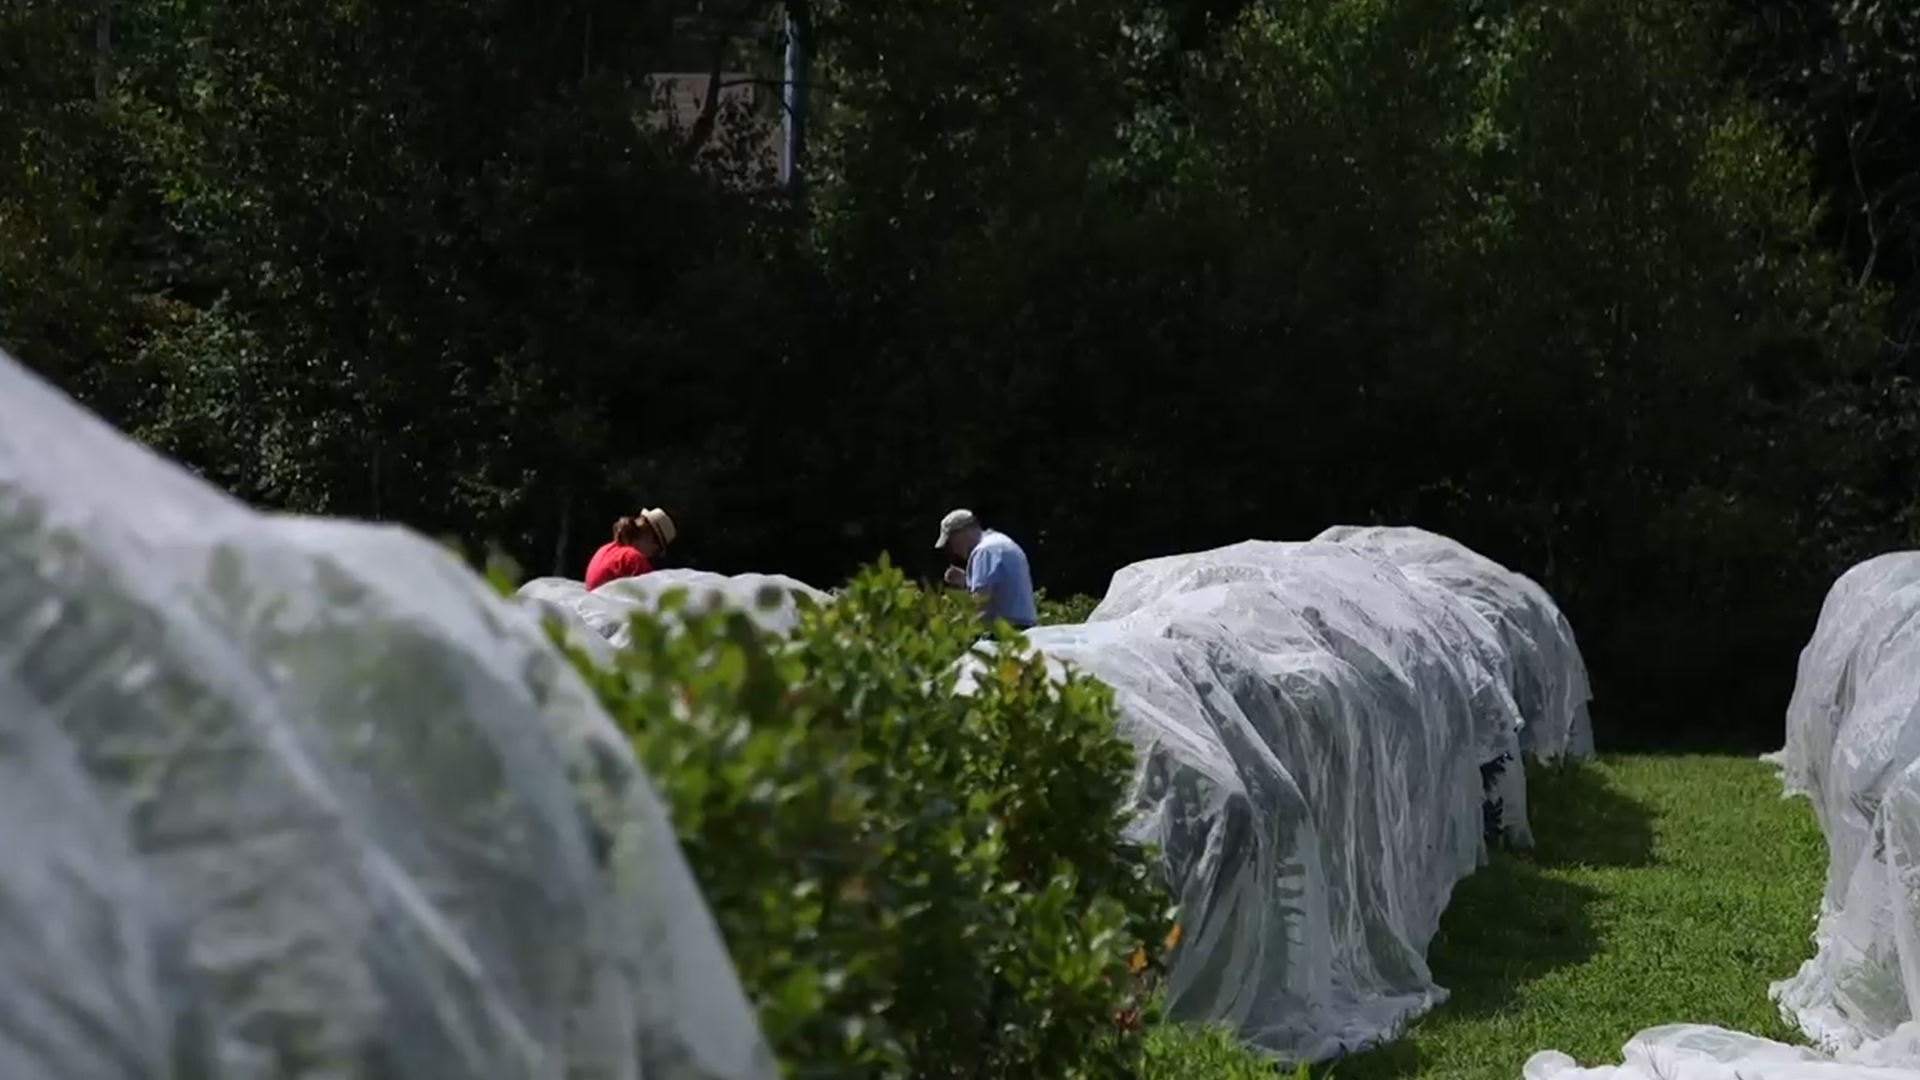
(1312,724)
(1548,675)
(298,798)
(1853,748)
(605,614)
(1853,744)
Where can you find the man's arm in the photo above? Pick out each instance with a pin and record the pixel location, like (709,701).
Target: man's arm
(983,570)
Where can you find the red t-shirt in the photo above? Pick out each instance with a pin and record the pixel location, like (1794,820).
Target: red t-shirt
(615,561)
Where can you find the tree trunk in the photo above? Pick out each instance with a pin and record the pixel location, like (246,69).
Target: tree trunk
(565,535)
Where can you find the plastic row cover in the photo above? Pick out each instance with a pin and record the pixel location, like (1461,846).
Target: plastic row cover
(1853,748)
(1701,1052)
(1547,673)
(292,798)
(599,620)
(1313,725)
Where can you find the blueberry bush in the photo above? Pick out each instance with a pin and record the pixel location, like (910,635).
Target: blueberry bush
(912,881)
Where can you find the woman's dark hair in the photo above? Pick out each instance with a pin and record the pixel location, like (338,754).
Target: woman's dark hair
(629,529)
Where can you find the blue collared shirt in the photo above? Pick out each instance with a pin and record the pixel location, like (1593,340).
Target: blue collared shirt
(998,567)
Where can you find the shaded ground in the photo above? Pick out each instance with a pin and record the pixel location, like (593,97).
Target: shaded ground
(1664,889)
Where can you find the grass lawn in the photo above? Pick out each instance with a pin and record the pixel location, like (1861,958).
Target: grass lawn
(1664,889)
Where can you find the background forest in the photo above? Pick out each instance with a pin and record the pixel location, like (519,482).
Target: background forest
(1623,293)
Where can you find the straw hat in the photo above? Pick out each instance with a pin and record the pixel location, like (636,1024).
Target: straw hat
(661,523)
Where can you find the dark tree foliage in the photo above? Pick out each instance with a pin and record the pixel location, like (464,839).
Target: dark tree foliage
(1621,292)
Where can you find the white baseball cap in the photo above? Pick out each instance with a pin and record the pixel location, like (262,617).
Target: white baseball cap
(953,523)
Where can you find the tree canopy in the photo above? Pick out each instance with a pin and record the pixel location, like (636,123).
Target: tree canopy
(1624,293)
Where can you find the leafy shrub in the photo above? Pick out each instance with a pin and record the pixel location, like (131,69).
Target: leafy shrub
(1493,808)
(1071,609)
(912,882)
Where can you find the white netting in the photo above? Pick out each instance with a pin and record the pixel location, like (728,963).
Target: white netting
(294,798)
(1700,1052)
(772,600)
(1853,740)
(1853,748)
(1548,676)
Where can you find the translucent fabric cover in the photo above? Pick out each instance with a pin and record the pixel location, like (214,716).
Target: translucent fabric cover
(1312,724)
(1853,740)
(1548,676)
(293,798)
(608,611)
(1853,748)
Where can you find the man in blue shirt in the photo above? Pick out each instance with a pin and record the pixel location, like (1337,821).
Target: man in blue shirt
(996,572)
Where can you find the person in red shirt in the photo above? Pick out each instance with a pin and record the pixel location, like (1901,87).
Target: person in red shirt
(637,541)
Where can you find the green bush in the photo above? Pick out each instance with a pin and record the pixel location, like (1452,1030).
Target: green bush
(912,882)
(1071,609)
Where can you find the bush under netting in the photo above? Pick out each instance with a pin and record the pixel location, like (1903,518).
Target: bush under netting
(1853,749)
(1325,741)
(1326,733)
(605,613)
(294,798)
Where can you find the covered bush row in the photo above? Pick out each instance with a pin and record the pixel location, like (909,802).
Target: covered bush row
(1326,740)
(301,799)
(1325,734)
(1853,749)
